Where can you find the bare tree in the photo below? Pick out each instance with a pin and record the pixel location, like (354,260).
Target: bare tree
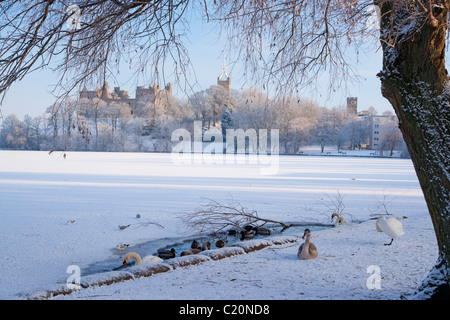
(382,205)
(254,109)
(323,133)
(391,139)
(356,131)
(12,133)
(297,120)
(35,34)
(218,98)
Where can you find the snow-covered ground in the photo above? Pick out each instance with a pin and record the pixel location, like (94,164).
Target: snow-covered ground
(39,193)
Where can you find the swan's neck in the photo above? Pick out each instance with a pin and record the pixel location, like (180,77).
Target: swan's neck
(137,258)
(306,245)
(338,218)
(308,237)
(305,251)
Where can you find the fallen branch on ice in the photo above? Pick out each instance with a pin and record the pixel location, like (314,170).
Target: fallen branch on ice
(215,217)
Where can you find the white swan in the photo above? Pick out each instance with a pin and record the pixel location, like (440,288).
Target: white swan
(307,250)
(339,220)
(138,260)
(392,227)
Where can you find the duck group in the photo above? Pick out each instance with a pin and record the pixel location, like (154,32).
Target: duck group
(249,231)
(196,248)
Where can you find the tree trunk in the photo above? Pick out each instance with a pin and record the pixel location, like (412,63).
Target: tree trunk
(414,80)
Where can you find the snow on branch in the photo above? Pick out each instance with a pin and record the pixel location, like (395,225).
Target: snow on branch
(215,217)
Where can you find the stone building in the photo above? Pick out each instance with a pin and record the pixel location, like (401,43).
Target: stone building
(151,94)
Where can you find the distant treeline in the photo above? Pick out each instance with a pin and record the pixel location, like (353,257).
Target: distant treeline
(94,125)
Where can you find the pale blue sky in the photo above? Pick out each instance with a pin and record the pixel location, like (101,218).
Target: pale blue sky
(33,95)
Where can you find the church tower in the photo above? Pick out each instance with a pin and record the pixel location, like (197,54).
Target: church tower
(224,80)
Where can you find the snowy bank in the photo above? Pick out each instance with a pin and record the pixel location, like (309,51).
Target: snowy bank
(275,272)
(108,278)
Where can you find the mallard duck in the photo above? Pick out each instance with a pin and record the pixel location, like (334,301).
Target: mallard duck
(206,245)
(249,227)
(195,244)
(190,252)
(263,231)
(167,254)
(221,243)
(247,234)
(307,250)
(186,253)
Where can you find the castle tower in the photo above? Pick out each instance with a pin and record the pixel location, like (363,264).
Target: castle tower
(352,105)
(105,91)
(168,89)
(224,80)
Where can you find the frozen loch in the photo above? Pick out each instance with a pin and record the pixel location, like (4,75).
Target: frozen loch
(58,212)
